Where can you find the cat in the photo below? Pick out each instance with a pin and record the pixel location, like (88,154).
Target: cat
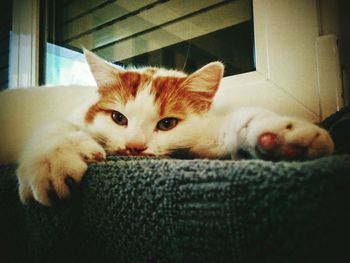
(140,112)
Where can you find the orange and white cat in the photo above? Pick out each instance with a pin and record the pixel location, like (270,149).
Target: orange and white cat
(53,133)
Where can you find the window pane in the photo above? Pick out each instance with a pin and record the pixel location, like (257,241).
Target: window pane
(181,34)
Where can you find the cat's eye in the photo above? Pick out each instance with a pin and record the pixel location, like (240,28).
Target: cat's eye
(167,124)
(119,118)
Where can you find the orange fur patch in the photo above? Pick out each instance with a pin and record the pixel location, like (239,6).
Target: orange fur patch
(94,109)
(173,97)
(125,88)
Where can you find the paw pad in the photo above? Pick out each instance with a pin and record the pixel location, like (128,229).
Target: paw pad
(292,152)
(267,141)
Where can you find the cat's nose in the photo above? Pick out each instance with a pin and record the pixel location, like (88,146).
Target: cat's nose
(136,148)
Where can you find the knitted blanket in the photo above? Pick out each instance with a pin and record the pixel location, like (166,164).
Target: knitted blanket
(166,210)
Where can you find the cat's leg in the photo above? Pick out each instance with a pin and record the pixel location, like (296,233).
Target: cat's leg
(54,162)
(266,135)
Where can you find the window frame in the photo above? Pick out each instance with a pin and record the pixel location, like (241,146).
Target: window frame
(312,93)
(24,43)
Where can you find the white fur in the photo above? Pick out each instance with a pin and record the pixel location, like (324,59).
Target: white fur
(55,152)
(248,124)
(65,143)
(166,73)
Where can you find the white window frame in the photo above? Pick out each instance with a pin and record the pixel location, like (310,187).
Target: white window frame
(297,69)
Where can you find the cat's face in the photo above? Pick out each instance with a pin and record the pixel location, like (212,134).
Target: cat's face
(149,111)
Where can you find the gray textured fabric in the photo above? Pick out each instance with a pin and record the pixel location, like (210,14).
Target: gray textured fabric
(166,210)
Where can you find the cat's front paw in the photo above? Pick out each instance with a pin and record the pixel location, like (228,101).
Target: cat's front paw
(54,174)
(284,138)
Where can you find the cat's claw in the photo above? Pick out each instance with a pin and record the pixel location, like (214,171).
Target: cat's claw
(94,157)
(54,175)
(47,181)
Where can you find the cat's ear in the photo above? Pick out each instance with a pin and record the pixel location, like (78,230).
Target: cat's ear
(206,79)
(104,73)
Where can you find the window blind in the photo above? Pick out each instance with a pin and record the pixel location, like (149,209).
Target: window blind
(122,29)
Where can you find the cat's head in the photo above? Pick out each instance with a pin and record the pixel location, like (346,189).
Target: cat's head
(149,111)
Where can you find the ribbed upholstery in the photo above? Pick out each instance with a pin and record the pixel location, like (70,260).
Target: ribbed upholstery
(167,210)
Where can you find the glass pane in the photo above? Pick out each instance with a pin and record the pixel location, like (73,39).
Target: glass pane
(181,34)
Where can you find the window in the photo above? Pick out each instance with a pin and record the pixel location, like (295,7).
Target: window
(292,67)
(65,66)
(181,34)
